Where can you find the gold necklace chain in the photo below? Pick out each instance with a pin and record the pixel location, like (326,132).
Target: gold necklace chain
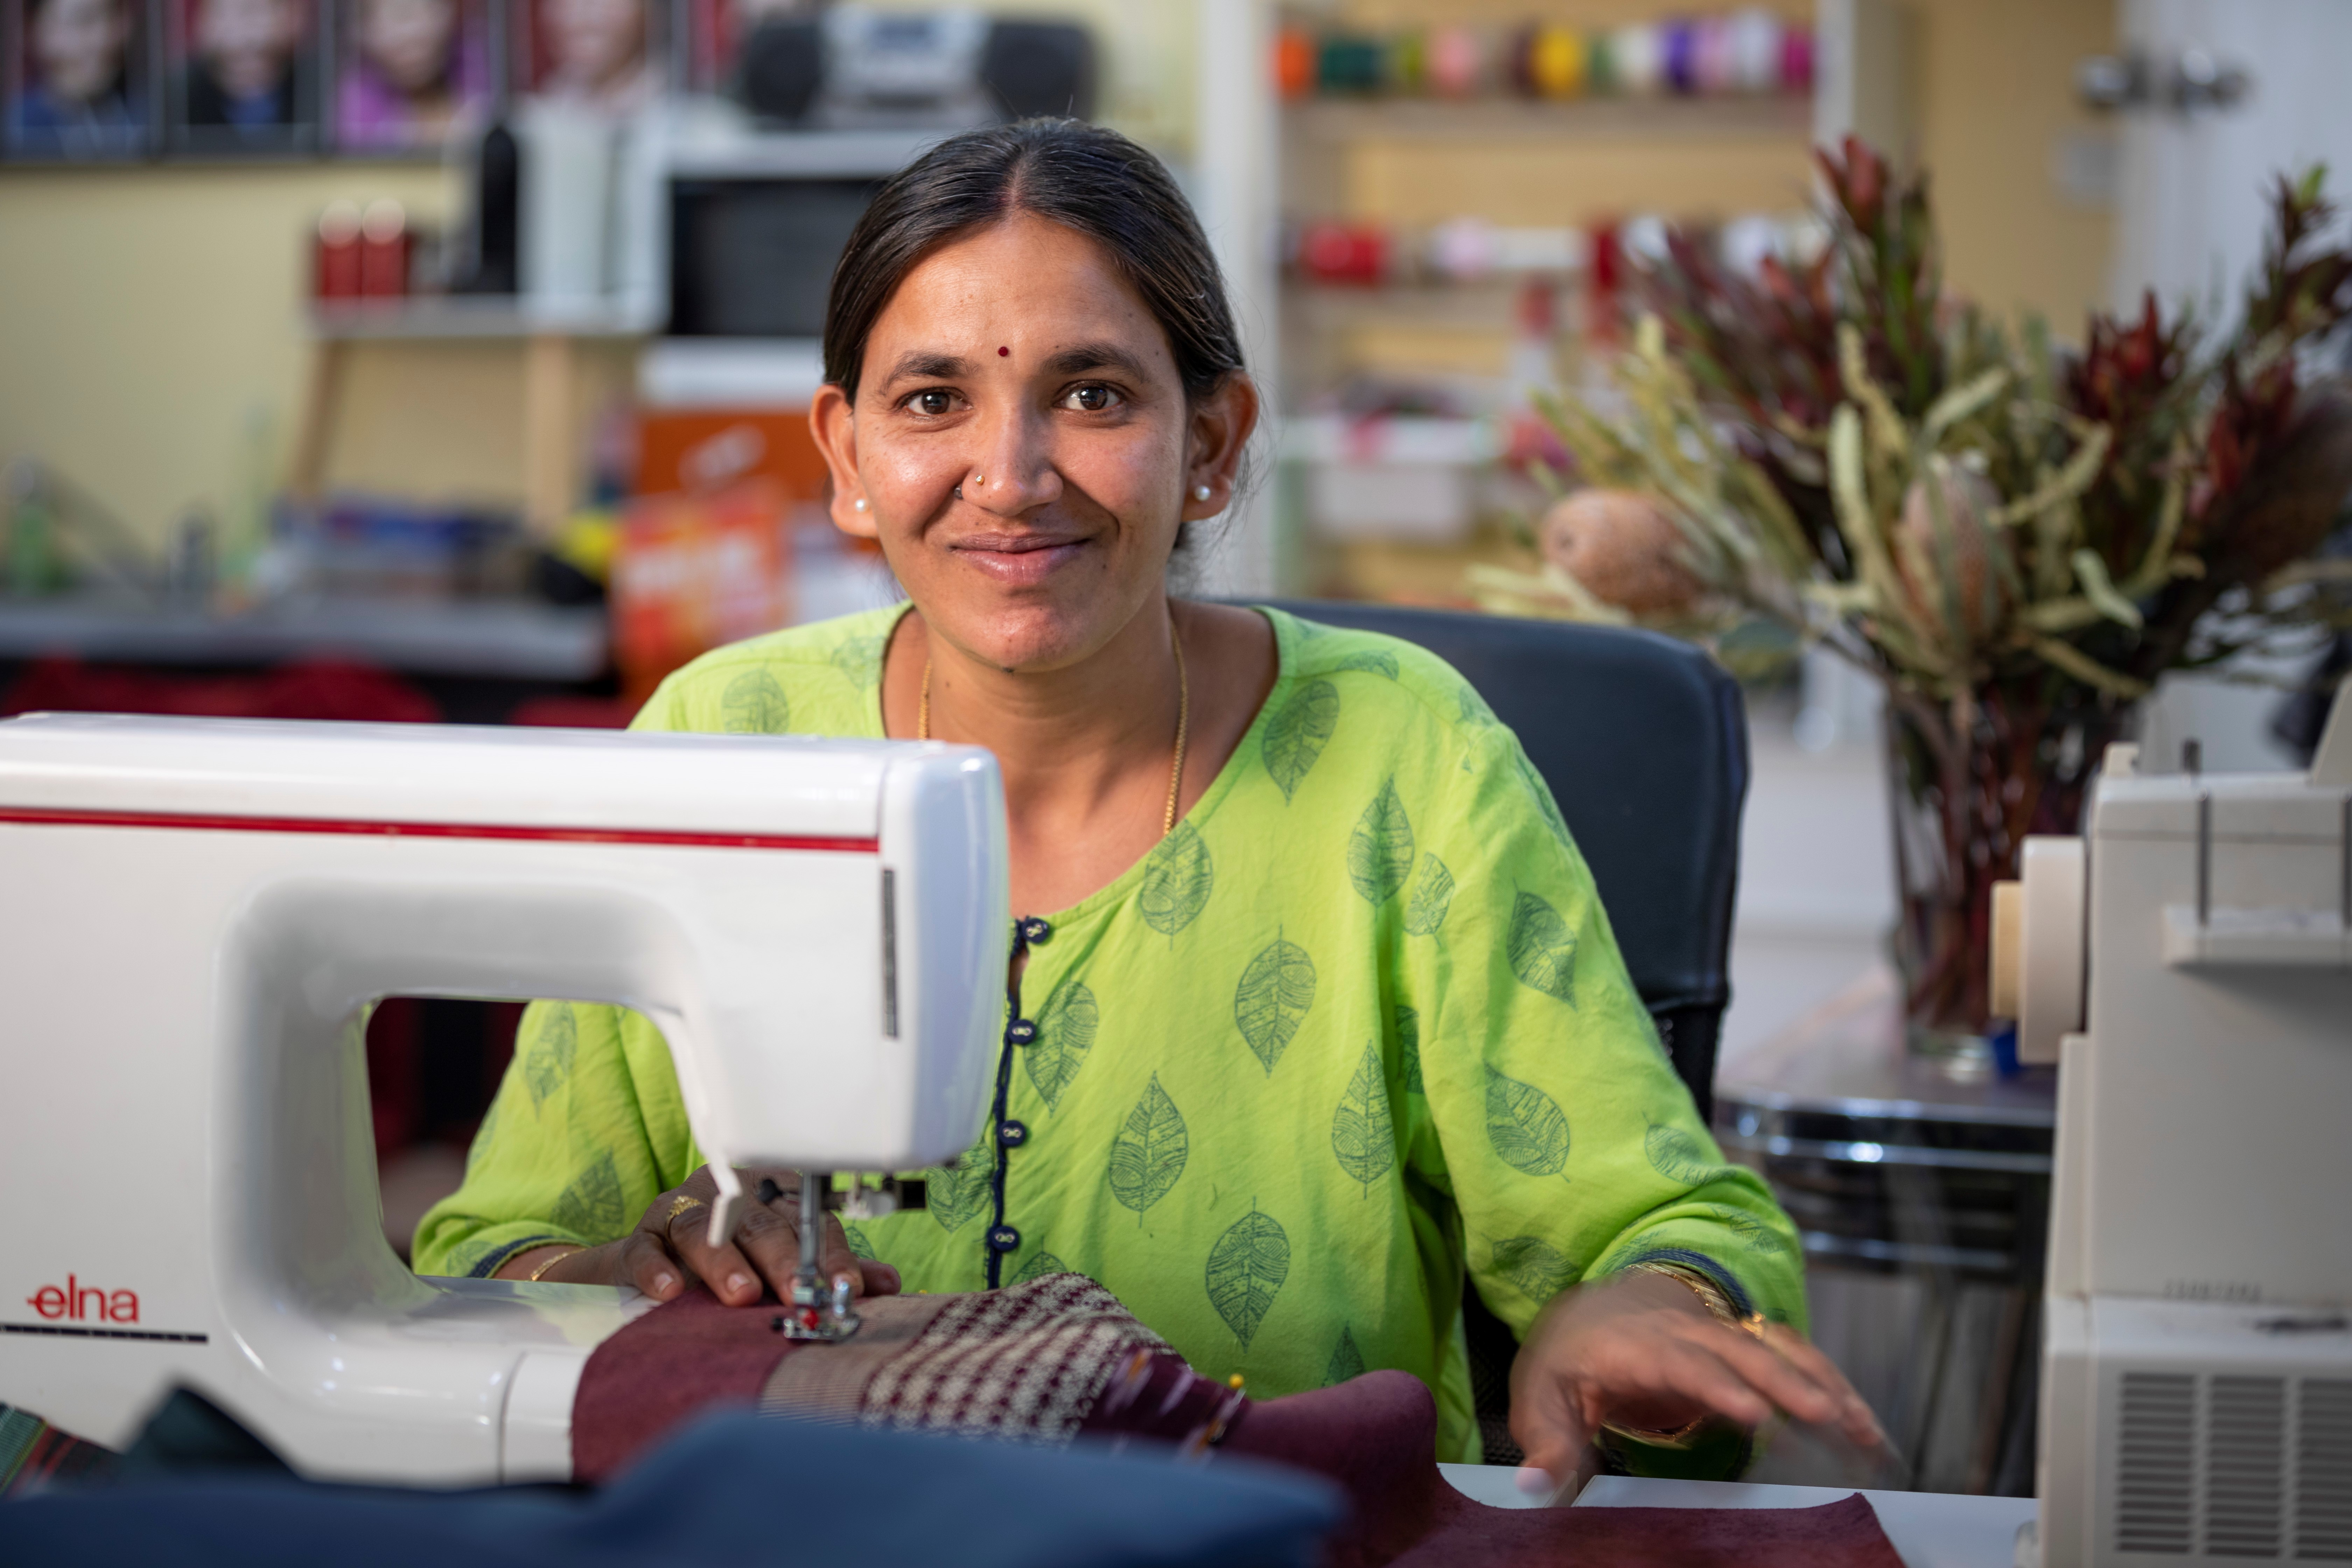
(1184,724)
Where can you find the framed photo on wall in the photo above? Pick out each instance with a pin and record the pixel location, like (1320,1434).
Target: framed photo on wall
(411,74)
(241,76)
(77,80)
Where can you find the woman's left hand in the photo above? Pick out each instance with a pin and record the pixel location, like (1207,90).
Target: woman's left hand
(1642,1350)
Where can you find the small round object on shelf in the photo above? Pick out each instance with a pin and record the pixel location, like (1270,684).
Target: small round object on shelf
(1556,61)
(1457,62)
(1637,58)
(1408,62)
(1601,64)
(1797,60)
(1752,37)
(1678,52)
(1518,61)
(1350,65)
(1293,62)
(1711,55)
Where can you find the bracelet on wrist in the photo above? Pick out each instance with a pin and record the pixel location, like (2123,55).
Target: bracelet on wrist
(1719,1306)
(532,1278)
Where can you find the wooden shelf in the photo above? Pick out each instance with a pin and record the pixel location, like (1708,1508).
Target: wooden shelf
(1487,304)
(1522,120)
(483,318)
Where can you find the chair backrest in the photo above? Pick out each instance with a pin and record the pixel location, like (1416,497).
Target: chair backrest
(1643,740)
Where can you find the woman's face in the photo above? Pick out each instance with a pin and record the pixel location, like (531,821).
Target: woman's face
(596,41)
(408,41)
(1019,365)
(80,44)
(247,44)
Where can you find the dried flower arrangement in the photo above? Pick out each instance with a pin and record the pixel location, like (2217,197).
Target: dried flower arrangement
(2016,539)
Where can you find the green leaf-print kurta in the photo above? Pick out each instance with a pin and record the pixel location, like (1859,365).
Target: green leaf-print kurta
(1356,1026)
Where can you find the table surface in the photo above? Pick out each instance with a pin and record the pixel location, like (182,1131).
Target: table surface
(1929,1530)
(515,639)
(1846,1057)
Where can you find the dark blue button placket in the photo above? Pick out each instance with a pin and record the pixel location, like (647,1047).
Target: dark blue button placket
(1003,1239)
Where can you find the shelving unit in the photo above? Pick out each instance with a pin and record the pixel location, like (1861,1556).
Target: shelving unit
(1409,165)
(548,338)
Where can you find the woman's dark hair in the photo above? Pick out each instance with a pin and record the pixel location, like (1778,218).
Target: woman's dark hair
(1084,177)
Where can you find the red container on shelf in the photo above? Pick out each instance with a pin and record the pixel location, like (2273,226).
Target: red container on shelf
(1293,62)
(383,251)
(1332,252)
(335,253)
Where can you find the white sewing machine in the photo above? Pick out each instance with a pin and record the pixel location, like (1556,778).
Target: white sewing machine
(2197,1365)
(195,916)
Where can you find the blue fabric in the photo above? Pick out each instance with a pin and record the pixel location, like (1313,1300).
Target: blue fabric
(733,1490)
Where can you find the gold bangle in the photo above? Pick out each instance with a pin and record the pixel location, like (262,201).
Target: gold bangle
(532,1278)
(1710,1295)
(1719,1308)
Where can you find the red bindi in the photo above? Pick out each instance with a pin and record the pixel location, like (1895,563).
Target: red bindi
(1003,353)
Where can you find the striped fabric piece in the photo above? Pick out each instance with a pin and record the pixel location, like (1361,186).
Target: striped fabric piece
(36,1456)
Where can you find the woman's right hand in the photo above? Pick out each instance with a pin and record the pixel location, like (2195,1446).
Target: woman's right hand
(671,1247)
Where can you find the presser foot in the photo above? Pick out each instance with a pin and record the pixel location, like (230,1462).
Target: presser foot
(814,1313)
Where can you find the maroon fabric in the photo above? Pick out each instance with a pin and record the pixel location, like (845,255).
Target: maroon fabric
(679,1360)
(1157,1398)
(1374,1436)
(692,1355)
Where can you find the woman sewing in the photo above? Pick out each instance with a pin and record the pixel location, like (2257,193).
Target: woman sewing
(1312,1004)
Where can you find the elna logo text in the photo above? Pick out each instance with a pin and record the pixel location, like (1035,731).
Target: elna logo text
(82,1303)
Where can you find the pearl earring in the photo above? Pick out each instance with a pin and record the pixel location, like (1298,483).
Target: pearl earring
(859,503)
(1200,492)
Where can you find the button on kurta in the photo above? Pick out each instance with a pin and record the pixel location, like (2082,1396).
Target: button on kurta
(1020,1032)
(1032,929)
(1011,1134)
(1003,1238)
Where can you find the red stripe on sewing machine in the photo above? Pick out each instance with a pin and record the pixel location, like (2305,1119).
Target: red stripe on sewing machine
(189,822)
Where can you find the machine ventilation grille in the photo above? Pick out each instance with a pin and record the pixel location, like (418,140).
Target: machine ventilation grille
(2245,1463)
(2155,1490)
(2323,1463)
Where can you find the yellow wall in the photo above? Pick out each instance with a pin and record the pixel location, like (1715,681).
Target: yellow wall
(149,318)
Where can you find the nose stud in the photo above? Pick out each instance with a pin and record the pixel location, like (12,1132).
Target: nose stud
(1200,492)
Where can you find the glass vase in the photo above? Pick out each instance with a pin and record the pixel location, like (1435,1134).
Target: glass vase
(1969,781)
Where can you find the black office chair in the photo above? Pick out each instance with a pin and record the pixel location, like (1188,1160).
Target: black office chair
(1643,740)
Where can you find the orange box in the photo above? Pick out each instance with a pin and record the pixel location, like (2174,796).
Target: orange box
(709,449)
(694,571)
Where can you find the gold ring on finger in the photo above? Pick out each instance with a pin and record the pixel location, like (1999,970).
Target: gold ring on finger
(678,1205)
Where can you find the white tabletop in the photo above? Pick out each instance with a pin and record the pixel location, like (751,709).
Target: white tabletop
(1929,1530)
